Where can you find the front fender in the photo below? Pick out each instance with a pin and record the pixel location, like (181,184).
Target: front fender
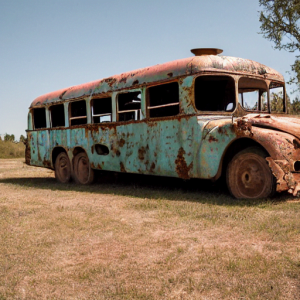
(212,149)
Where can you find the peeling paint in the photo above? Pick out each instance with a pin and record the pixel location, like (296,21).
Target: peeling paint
(190,144)
(182,168)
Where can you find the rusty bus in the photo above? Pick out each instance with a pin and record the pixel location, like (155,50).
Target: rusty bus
(205,116)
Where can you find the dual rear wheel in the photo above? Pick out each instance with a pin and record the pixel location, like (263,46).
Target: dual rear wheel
(82,172)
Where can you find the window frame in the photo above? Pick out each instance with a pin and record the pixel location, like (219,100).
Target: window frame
(50,115)
(285,109)
(258,103)
(33,118)
(129,110)
(216,112)
(149,108)
(101,115)
(78,117)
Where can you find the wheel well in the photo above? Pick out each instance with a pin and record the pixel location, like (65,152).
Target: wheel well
(77,150)
(235,147)
(56,152)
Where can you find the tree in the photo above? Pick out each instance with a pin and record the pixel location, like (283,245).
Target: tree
(280,23)
(22,138)
(9,137)
(276,101)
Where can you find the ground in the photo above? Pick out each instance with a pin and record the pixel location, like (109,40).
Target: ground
(141,237)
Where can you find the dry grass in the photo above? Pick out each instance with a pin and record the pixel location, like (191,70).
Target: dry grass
(141,238)
(11,150)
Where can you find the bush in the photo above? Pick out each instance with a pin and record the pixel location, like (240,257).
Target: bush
(10,149)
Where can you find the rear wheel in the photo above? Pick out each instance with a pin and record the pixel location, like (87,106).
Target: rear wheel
(249,176)
(82,171)
(62,167)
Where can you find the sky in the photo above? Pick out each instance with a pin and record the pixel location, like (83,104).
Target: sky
(53,44)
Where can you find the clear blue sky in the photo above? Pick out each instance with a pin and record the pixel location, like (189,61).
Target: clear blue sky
(48,45)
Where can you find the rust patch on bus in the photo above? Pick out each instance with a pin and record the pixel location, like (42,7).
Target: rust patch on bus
(283,169)
(212,139)
(110,81)
(47,164)
(182,168)
(122,168)
(27,150)
(121,142)
(142,152)
(286,180)
(152,167)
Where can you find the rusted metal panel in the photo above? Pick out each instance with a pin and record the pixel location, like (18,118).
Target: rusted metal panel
(27,149)
(159,73)
(286,124)
(279,136)
(218,133)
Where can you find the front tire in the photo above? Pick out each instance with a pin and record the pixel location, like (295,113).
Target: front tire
(249,176)
(82,171)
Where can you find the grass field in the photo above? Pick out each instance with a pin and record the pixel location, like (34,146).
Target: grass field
(137,237)
(11,150)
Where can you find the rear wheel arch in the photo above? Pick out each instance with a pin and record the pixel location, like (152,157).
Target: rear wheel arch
(55,152)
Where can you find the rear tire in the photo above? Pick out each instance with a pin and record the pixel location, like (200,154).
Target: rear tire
(249,176)
(82,171)
(63,170)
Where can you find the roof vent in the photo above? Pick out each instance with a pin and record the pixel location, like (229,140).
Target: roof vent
(206,51)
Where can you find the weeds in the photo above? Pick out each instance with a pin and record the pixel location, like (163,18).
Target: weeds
(11,149)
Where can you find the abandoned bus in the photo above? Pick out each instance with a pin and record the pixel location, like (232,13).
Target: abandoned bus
(205,116)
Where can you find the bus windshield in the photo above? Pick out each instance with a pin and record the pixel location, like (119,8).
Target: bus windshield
(253,95)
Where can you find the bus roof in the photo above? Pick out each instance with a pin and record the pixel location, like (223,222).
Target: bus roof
(159,73)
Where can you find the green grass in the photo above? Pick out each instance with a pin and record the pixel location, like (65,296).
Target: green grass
(11,150)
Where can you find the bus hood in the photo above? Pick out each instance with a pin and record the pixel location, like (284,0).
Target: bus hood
(289,125)
(242,125)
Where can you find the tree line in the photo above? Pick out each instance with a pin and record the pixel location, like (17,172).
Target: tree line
(11,138)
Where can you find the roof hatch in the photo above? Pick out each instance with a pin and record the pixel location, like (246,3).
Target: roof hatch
(206,51)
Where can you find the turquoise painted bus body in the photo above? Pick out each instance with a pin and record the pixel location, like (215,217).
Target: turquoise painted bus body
(190,136)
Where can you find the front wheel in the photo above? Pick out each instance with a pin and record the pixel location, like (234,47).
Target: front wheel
(249,176)
(82,171)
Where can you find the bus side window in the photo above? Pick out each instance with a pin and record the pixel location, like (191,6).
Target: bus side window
(39,118)
(57,113)
(163,100)
(215,93)
(101,110)
(129,106)
(78,113)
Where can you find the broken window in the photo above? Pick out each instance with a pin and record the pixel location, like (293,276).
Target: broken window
(39,118)
(129,106)
(101,110)
(57,113)
(163,100)
(277,99)
(253,94)
(78,113)
(215,93)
